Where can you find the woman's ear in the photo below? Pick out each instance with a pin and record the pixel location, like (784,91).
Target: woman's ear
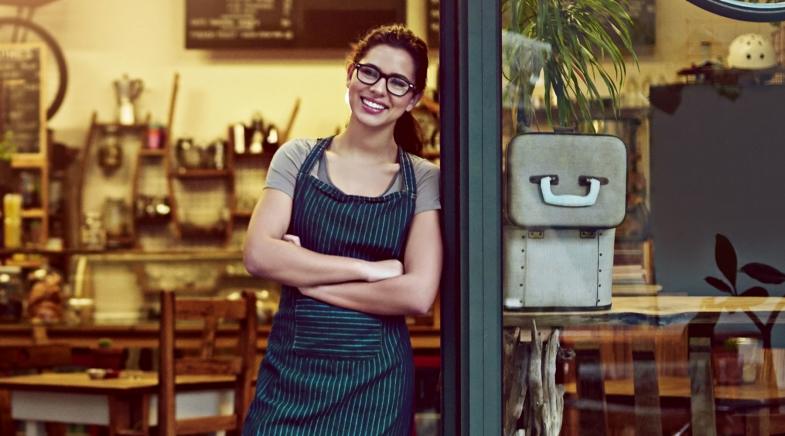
(413,103)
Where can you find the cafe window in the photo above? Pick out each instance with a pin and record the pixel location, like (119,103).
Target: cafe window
(629,242)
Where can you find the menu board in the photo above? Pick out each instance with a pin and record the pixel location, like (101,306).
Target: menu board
(21,108)
(249,24)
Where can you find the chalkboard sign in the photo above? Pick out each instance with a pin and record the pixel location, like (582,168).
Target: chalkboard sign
(250,24)
(21,108)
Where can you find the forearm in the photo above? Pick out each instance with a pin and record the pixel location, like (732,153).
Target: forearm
(288,264)
(407,294)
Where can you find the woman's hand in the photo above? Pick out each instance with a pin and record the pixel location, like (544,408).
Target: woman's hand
(374,271)
(293,239)
(383,269)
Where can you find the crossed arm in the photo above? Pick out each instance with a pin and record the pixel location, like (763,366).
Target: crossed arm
(385,287)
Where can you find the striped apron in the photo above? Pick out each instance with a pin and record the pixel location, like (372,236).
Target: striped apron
(330,370)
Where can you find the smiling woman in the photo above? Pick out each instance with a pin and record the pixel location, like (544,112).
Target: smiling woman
(747,10)
(350,226)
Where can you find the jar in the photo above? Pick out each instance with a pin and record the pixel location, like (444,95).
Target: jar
(93,233)
(11,294)
(737,361)
(110,152)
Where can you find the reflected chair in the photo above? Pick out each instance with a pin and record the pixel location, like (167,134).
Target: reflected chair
(241,364)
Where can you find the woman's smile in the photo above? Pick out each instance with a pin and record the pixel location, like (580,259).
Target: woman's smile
(372,106)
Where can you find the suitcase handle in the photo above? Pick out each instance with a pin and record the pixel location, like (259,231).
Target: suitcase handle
(571,200)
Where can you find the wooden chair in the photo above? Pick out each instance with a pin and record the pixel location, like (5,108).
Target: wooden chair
(241,365)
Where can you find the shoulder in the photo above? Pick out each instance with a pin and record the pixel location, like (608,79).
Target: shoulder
(292,153)
(424,170)
(296,147)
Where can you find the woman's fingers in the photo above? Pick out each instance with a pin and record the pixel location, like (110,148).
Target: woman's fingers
(293,239)
(385,269)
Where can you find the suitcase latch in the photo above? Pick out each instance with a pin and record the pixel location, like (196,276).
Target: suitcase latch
(536,234)
(588,234)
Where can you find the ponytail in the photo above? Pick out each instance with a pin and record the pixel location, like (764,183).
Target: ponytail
(408,134)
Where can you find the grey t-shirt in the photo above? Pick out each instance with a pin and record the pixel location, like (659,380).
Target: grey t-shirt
(282,174)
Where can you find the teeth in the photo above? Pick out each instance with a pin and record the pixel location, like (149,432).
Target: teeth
(373,104)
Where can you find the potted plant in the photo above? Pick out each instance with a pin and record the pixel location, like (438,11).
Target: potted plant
(580,41)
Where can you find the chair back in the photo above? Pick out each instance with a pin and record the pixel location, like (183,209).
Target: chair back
(211,311)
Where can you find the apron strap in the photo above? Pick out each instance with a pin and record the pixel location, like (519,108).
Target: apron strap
(313,157)
(407,170)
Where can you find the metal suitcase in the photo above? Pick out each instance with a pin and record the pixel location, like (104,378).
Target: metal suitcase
(565,195)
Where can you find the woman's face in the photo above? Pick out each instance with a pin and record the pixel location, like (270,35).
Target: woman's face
(374,105)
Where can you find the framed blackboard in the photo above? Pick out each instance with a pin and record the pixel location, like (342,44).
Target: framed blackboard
(253,24)
(22,111)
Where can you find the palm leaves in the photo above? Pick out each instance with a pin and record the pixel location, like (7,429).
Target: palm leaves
(583,35)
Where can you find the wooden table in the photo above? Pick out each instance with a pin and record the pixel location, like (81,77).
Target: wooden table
(640,318)
(656,310)
(125,403)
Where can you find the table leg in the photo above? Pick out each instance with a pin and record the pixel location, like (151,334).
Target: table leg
(592,417)
(648,415)
(128,414)
(35,428)
(701,387)
(757,423)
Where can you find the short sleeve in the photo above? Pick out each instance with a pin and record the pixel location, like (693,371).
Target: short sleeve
(426,174)
(286,163)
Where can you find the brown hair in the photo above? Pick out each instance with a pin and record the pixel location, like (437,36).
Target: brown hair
(407,133)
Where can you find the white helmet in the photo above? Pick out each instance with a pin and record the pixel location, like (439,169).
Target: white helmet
(751,52)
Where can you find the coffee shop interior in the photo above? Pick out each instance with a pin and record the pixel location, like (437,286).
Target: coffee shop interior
(134,143)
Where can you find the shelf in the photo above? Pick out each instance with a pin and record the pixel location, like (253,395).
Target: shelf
(189,231)
(253,156)
(33,213)
(242,213)
(152,152)
(200,174)
(153,221)
(27,264)
(121,127)
(27,160)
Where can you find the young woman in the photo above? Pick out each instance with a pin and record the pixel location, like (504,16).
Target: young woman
(350,226)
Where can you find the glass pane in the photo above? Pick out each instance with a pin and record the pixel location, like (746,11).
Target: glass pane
(638,238)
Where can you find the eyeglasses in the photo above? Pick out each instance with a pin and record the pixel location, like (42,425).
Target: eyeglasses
(369,74)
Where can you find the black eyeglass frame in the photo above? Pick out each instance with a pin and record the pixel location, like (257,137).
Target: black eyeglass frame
(386,78)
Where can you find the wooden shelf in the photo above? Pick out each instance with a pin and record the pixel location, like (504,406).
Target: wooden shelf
(164,220)
(152,152)
(200,174)
(242,213)
(28,160)
(33,213)
(266,154)
(121,127)
(34,263)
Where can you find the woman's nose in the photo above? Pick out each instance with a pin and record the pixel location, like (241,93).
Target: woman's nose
(380,87)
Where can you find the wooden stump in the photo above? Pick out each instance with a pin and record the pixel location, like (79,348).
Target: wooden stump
(530,384)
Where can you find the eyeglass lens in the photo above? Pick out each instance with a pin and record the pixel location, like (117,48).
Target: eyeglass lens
(369,75)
